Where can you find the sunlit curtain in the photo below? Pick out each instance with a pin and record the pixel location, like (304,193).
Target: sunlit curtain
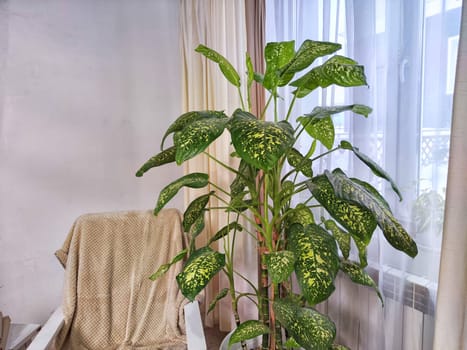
(220,25)
(409,51)
(451,311)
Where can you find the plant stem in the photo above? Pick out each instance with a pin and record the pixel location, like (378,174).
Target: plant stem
(289,112)
(266,107)
(221,163)
(241,97)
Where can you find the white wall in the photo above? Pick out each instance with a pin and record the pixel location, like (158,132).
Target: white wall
(87,89)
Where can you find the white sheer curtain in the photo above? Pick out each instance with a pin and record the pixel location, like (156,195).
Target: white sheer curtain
(220,25)
(409,51)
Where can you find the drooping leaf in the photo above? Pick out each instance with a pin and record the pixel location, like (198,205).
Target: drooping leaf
(360,276)
(361,247)
(248,330)
(280,265)
(165,267)
(375,168)
(188,118)
(309,328)
(393,231)
(200,268)
(222,294)
(197,136)
(194,210)
(317,261)
(260,143)
(277,56)
(338,70)
(225,230)
(225,66)
(342,237)
(245,177)
(373,191)
(324,112)
(320,129)
(194,180)
(299,162)
(308,52)
(164,157)
(356,219)
(301,214)
(197,227)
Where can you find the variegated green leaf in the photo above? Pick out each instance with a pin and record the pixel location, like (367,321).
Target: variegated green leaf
(373,191)
(280,265)
(338,70)
(320,129)
(222,294)
(238,205)
(197,227)
(309,328)
(301,214)
(356,219)
(246,176)
(164,157)
(248,330)
(195,210)
(277,56)
(360,276)
(225,230)
(324,112)
(307,53)
(165,267)
(299,162)
(375,168)
(260,143)
(291,343)
(188,118)
(339,347)
(361,247)
(250,70)
(197,136)
(200,268)
(225,66)
(286,193)
(194,180)
(342,237)
(394,232)
(317,261)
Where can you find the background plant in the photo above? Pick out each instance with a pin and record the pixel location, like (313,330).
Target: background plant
(290,239)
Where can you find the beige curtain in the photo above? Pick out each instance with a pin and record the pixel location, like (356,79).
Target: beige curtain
(220,25)
(451,315)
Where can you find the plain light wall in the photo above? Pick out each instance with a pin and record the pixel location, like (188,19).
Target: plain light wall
(87,89)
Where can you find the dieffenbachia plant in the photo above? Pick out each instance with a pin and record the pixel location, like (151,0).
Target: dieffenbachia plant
(290,239)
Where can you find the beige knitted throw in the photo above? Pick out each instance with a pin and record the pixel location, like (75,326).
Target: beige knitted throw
(109,301)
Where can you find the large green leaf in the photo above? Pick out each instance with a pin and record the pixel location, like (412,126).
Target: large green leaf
(194,210)
(338,70)
(165,267)
(375,168)
(248,330)
(194,180)
(280,265)
(394,232)
(225,66)
(200,268)
(342,237)
(309,328)
(378,196)
(277,56)
(356,219)
(317,261)
(299,162)
(257,142)
(188,118)
(222,294)
(164,157)
(360,276)
(197,136)
(225,230)
(307,53)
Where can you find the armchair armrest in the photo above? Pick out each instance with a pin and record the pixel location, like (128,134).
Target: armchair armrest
(48,331)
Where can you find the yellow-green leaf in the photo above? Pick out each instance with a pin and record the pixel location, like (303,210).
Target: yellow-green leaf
(342,237)
(301,214)
(225,66)
(360,276)
(225,230)
(299,162)
(222,294)
(248,330)
(280,265)
(165,267)
(164,157)
(195,210)
(277,55)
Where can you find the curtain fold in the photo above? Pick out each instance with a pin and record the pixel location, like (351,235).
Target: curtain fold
(451,310)
(220,25)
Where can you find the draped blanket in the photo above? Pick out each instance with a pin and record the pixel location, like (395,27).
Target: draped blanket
(109,301)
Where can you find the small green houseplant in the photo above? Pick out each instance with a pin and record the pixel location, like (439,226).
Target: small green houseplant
(290,238)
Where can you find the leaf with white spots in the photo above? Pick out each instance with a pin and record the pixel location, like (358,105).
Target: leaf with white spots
(260,143)
(317,261)
(200,268)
